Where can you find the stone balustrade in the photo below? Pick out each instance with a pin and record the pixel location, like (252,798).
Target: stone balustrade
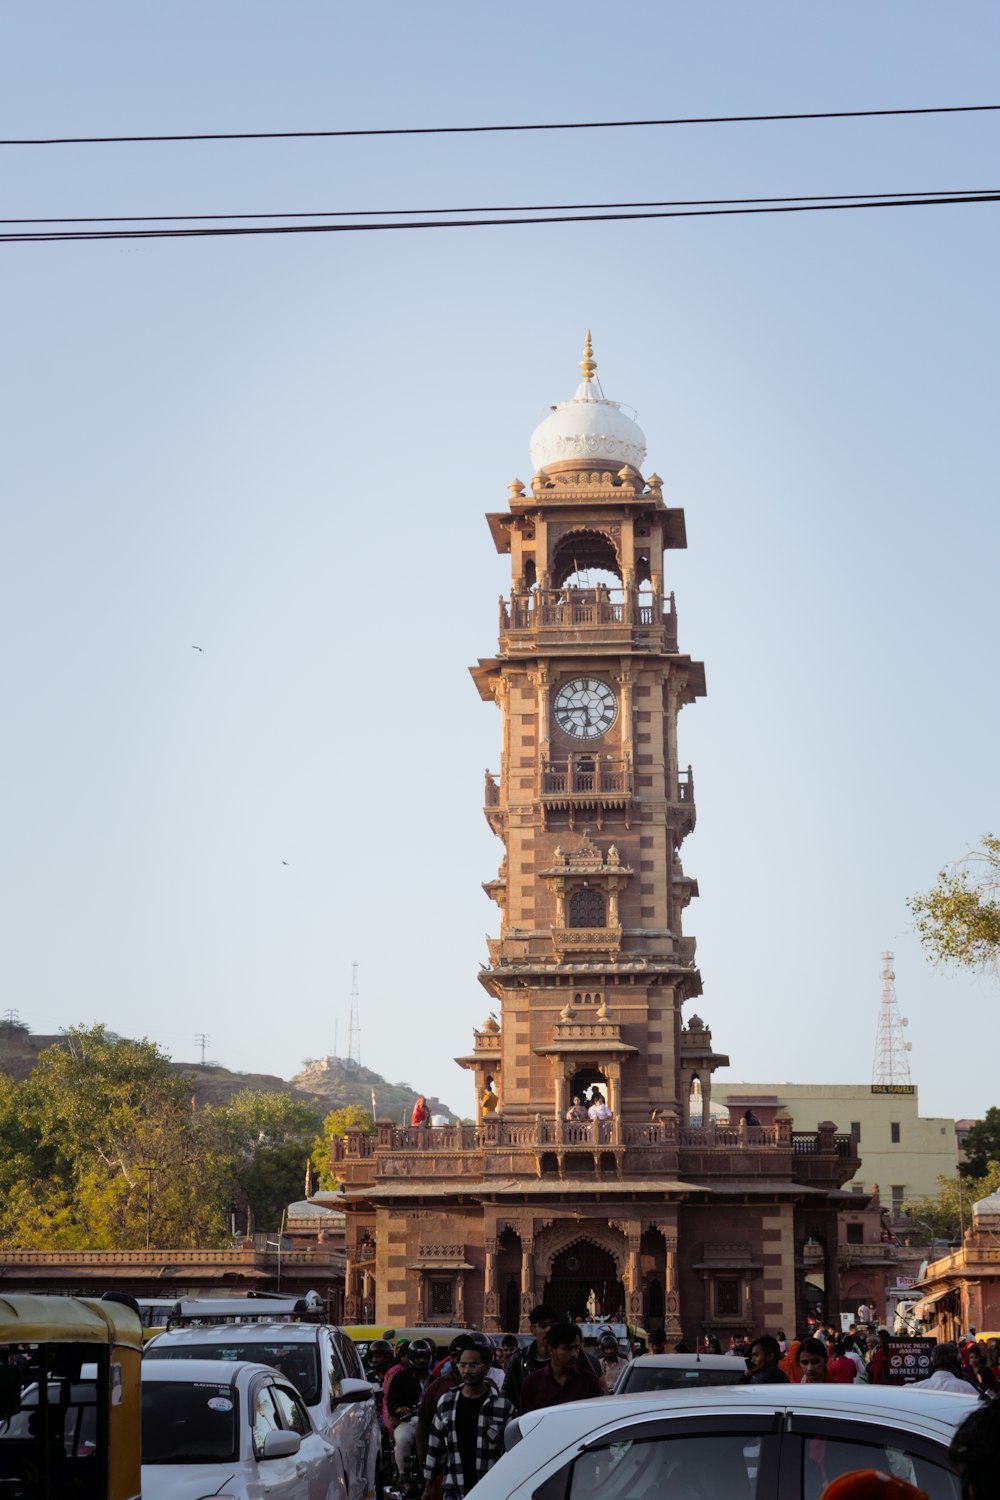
(638,1147)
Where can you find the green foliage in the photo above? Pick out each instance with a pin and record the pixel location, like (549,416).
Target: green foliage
(982,1146)
(958,920)
(951,1207)
(337,1122)
(100,1146)
(267,1139)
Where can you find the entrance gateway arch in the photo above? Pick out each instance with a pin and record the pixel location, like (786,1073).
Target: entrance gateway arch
(584,1282)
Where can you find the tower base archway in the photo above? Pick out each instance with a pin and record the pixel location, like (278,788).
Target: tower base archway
(584,1283)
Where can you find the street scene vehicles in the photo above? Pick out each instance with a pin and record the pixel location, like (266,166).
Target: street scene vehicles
(232,1429)
(317,1358)
(738,1442)
(69,1398)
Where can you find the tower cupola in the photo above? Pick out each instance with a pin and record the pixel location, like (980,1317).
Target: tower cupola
(587,430)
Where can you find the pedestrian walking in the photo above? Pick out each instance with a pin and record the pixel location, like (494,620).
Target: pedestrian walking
(466,1435)
(564,1378)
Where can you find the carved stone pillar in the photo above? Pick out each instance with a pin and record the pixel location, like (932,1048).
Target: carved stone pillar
(671,1299)
(633,1283)
(540,678)
(527,1279)
(613,1072)
(626,680)
(351,1309)
(491,1320)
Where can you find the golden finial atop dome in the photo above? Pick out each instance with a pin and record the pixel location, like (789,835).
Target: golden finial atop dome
(588,363)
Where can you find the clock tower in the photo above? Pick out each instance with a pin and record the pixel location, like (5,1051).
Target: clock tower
(591,802)
(595,1176)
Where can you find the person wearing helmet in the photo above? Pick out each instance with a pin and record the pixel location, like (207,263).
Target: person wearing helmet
(402,1399)
(379,1359)
(610,1356)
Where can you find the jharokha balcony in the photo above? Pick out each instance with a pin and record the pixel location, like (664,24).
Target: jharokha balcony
(524,618)
(542,1147)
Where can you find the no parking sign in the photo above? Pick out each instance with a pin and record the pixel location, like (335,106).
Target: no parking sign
(910,1360)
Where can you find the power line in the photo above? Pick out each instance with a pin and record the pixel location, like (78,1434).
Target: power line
(296,135)
(507,208)
(212,231)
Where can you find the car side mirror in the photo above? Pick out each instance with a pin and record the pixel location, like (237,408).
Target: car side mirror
(281,1444)
(356,1390)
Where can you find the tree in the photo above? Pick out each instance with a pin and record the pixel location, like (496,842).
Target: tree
(109,1154)
(337,1122)
(958,919)
(266,1138)
(982,1145)
(950,1208)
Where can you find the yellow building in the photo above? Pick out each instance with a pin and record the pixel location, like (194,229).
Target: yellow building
(900,1150)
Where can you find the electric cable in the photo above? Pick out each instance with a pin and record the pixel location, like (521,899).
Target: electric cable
(215,231)
(288,135)
(372,213)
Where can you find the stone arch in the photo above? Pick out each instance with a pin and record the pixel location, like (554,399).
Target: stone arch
(584,550)
(560,1237)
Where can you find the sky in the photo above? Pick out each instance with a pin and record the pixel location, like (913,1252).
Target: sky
(281,449)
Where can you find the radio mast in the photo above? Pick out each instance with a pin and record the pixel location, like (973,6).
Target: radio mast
(891,1065)
(354,1023)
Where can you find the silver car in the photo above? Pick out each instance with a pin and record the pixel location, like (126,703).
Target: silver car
(751,1442)
(230,1429)
(320,1361)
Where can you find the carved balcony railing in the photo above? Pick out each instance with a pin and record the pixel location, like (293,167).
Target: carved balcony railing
(496,1145)
(586,781)
(525,616)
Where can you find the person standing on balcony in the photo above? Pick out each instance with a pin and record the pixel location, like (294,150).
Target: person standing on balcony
(421,1116)
(599,1108)
(577,1110)
(489,1101)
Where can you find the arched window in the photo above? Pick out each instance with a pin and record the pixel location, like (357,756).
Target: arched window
(587,908)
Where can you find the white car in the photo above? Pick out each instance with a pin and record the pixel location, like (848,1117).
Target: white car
(230,1431)
(751,1442)
(668,1372)
(318,1359)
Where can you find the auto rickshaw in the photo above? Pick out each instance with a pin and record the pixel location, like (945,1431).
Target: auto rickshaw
(70,1411)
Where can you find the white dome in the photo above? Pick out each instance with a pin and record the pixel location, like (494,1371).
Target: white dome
(588,428)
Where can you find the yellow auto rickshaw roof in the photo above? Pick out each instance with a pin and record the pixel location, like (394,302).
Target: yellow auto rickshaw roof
(29,1319)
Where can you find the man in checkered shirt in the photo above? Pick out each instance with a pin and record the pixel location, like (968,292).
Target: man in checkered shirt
(466,1436)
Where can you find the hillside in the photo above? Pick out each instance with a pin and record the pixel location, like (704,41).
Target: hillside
(339,1081)
(325,1083)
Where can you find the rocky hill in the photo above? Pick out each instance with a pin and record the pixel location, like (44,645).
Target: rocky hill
(326,1083)
(339,1081)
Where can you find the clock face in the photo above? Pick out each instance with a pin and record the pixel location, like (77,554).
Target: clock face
(585,708)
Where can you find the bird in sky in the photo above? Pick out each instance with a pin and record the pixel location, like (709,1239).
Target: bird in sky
(198,648)
(284,861)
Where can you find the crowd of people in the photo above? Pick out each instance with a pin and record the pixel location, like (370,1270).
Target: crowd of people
(823,1356)
(446,1414)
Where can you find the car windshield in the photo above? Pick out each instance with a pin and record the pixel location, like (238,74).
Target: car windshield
(297,1362)
(642,1377)
(188,1424)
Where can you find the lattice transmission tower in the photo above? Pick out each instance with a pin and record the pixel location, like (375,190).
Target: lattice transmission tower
(892,1063)
(354,1020)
